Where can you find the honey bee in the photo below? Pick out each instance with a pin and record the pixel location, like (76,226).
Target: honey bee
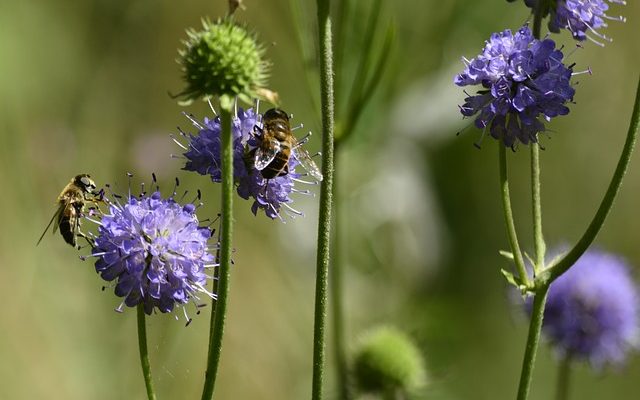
(277,144)
(71,203)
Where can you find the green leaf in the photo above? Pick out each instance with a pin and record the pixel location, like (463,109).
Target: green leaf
(511,278)
(506,254)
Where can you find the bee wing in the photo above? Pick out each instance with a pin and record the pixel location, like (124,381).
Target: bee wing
(55,217)
(305,160)
(264,155)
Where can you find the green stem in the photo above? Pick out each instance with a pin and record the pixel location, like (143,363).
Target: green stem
(541,287)
(564,378)
(337,294)
(535,326)
(144,353)
(508,216)
(326,194)
(219,312)
(538,238)
(587,238)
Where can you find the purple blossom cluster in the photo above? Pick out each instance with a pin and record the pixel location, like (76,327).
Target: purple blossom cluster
(592,310)
(522,80)
(580,17)
(203,156)
(155,251)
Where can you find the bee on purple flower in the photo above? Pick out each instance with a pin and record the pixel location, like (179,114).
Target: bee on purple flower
(154,249)
(272,194)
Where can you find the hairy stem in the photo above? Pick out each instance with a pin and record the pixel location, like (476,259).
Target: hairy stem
(326,195)
(508,216)
(541,287)
(337,294)
(535,326)
(144,353)
(220,304)
(538,238)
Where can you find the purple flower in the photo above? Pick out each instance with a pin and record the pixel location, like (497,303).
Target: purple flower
(592,310)
(579,17)
(154,250)
(522,78)
(203,157)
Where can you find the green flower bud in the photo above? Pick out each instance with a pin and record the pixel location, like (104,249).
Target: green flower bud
(387,361)
(222,60)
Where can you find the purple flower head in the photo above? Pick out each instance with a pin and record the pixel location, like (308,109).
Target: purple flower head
(580,17)
(203,156)
(592,310)
(154,250)
(523,79)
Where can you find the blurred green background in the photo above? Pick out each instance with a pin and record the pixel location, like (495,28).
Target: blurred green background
(84,89)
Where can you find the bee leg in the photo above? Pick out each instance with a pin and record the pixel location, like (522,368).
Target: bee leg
(284,171)
(87,238)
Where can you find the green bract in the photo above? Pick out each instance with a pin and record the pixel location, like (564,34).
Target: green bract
(222,60)
(387,361)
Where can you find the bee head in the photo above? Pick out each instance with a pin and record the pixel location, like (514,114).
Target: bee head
(276,113)
(84,182)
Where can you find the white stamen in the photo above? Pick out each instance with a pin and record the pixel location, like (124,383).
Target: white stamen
(191,118)
(302,181)
(177,142)
(211,107)
(293,210)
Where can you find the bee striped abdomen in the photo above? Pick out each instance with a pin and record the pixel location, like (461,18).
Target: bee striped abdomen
(67,232)
(278,167)
(67,222)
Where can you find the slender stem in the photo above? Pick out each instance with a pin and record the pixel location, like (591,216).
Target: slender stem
(337,295)
(326,195)
(144,353)
(219,315)
(605,206)
(508,216)
(541,287)
(564,378)
(535,326)
(538,239)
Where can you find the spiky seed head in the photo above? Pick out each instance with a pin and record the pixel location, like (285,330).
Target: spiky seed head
(222,60)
